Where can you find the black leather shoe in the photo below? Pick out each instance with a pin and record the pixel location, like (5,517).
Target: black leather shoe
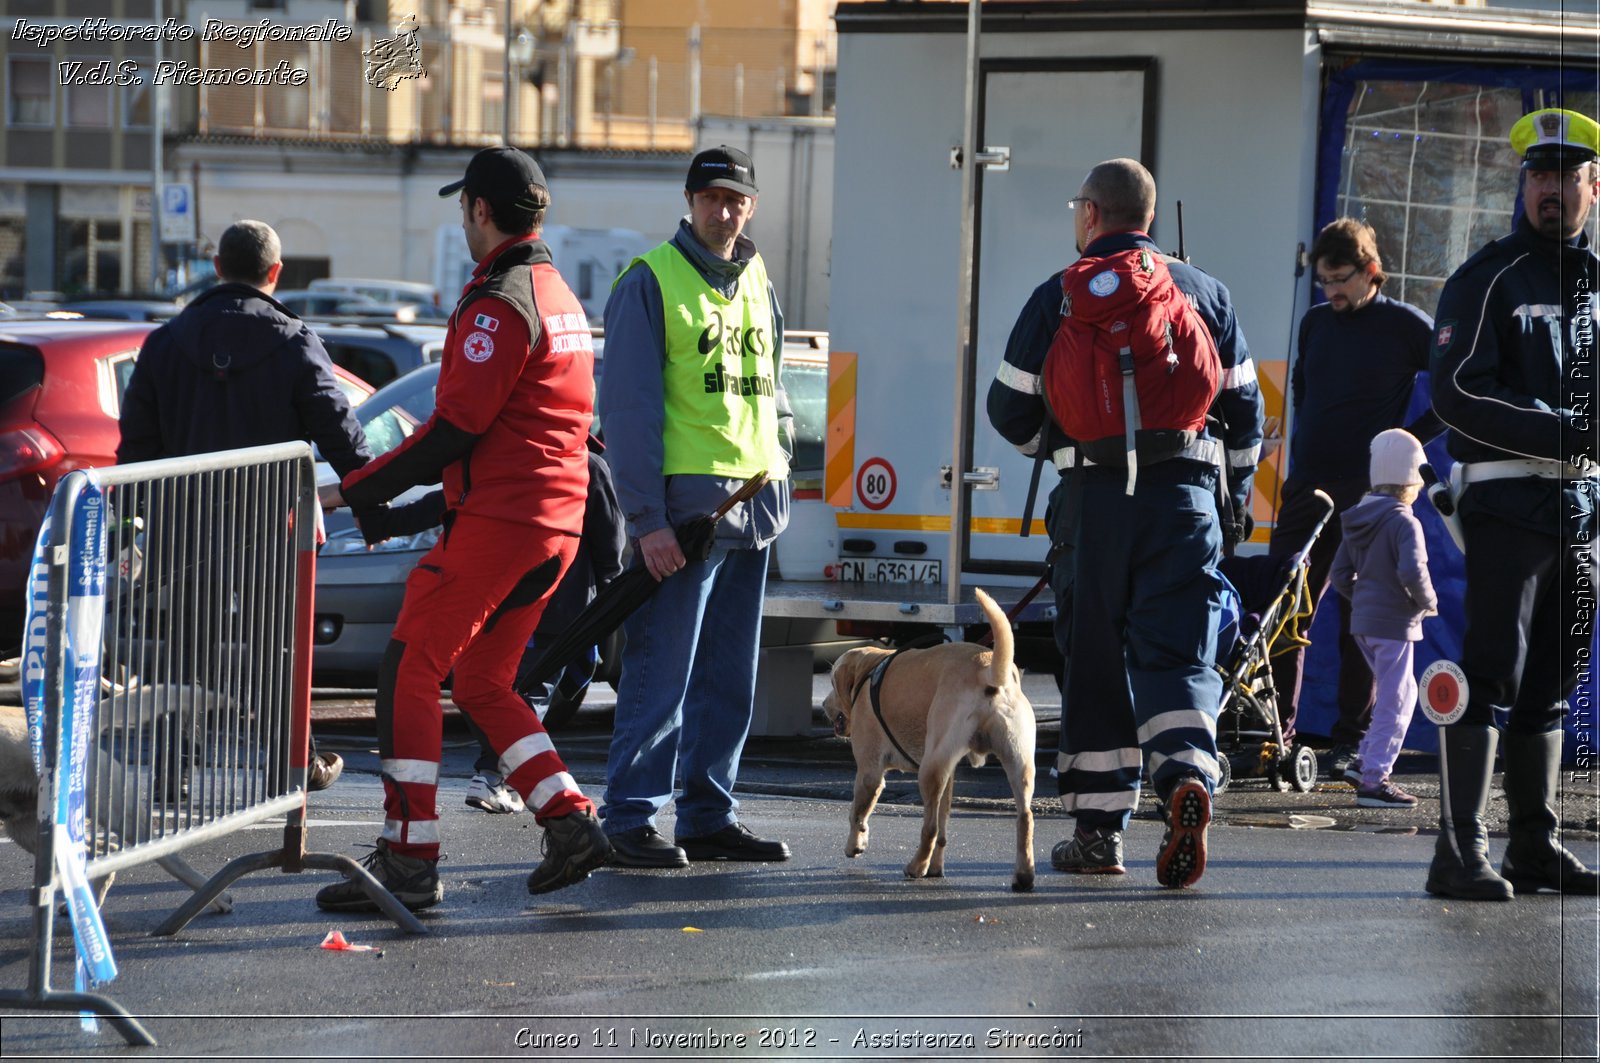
(645,847)
(733,842)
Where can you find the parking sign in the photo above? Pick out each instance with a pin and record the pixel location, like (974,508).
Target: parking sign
(177,213)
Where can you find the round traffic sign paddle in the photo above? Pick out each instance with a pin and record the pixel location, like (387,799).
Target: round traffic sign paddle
(1442,692)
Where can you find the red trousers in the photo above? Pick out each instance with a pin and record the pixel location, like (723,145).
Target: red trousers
(471,604)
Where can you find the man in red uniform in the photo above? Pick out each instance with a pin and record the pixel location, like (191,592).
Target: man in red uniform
(508,439)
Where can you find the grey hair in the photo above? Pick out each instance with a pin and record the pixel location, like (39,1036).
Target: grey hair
(1124,191)
(247,252)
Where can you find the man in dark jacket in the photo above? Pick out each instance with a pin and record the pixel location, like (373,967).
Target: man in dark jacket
(1359,356)
(1163,706)
(238,369)
(1514,380)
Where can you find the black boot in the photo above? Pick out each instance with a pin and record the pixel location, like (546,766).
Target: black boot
(1534,857)
(1461,859)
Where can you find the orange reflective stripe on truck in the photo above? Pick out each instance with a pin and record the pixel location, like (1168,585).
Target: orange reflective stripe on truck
(840,460)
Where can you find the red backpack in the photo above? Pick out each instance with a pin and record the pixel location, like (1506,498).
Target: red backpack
(1133,368)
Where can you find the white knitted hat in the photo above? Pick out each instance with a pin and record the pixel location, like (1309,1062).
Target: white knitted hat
(1396,456)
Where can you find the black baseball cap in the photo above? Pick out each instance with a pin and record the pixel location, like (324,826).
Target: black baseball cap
(502,176)
(722,167)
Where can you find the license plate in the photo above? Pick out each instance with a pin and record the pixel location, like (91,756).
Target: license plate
(890,570)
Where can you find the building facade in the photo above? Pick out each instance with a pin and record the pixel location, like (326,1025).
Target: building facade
(330,118)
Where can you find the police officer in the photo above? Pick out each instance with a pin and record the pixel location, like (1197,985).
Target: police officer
(1098,765)
(1513,372)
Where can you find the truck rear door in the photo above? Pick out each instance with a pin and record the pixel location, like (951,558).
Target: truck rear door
(1057,118)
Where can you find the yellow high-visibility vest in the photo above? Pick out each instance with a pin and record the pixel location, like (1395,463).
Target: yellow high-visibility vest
(721,372)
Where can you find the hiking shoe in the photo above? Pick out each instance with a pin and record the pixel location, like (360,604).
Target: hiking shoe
(1384,795)
(413,881)
(573,846)
(1340,758)
(323,771)
(1182,857)
(733,842)
(645,847)
(489,792)
(1092,853)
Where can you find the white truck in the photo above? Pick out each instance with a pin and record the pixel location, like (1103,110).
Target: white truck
(1266,120)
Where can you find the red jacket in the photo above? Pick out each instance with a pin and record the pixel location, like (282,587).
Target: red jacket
(508,435)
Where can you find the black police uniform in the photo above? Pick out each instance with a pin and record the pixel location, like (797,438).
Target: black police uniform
(1513,376)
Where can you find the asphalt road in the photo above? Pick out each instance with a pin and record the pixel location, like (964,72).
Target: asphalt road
(1309,937)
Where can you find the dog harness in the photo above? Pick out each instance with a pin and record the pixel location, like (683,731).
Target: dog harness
(874,684)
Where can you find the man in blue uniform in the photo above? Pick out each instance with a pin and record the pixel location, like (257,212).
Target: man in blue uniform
(1359,356)
(1514,380)
(1163,542)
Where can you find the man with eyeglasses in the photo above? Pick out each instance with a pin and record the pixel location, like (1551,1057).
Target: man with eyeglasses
(1163,705)
(1358,356)
(1514,381)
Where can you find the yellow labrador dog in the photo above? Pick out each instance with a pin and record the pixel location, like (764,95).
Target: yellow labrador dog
(934,707)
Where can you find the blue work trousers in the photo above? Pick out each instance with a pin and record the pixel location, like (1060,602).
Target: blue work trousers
(686,695)
(1141,682)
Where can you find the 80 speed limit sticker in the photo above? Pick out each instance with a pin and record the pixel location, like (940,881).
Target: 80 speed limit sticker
(875,483)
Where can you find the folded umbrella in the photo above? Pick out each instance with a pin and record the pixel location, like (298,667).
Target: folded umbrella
(617,600)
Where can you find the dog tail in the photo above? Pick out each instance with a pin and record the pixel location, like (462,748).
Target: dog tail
(1000,665)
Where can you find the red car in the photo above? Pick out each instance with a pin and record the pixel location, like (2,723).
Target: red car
(61,385)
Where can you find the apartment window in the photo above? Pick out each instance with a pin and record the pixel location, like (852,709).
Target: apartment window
(494,103)
(30,92)
(136,100)
(88,106)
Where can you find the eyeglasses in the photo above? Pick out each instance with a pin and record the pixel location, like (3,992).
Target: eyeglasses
(1334,282)
(1072,204)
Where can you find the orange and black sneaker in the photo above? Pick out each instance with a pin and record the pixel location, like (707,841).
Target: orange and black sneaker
(1182,859)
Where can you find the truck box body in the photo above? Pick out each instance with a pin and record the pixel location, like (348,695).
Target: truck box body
(1267,120)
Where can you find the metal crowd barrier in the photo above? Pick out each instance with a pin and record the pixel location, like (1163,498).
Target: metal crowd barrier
(198,721)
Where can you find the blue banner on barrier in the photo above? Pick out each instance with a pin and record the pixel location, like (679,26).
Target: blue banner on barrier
(80,663)
(34,640)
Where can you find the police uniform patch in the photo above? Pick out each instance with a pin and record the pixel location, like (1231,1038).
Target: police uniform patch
(1443,338)
(487,323)
(1103,284)
(478,347)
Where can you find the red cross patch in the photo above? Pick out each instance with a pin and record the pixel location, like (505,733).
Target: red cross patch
(478,347)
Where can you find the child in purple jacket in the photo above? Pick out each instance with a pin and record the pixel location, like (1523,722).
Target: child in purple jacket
(1382,567)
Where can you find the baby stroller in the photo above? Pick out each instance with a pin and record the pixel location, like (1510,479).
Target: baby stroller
(1272,607)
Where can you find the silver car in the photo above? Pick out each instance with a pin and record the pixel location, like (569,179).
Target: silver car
(359,590)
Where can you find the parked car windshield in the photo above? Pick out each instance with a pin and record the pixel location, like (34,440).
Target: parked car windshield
(395,410)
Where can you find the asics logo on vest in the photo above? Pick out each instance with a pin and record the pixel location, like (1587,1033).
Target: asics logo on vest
(749,343)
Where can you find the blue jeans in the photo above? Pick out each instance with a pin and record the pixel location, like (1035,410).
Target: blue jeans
(687,694)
